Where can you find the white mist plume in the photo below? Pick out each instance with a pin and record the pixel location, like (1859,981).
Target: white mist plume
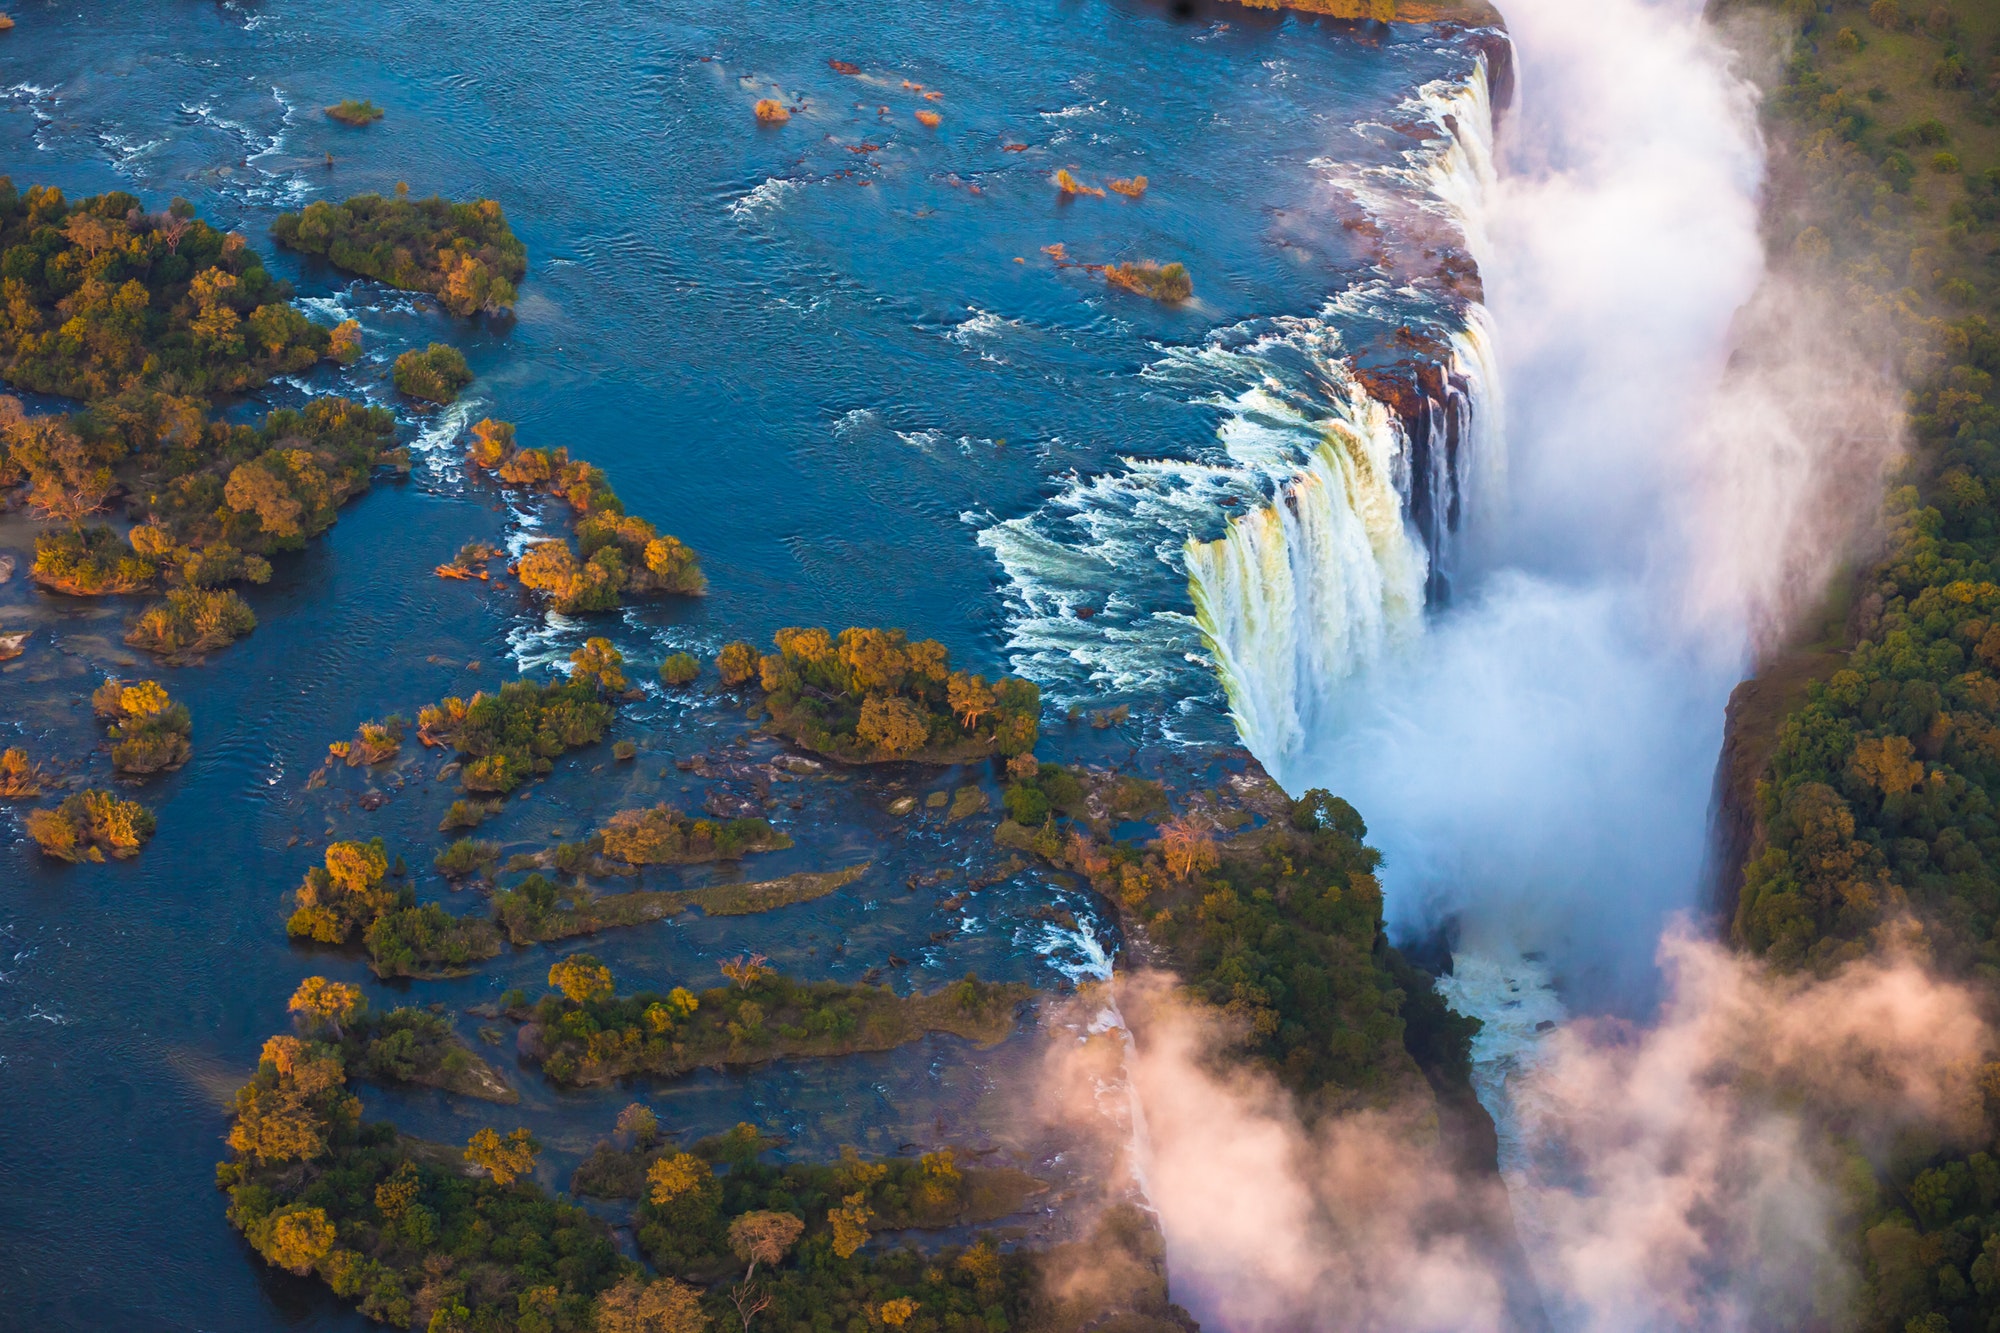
(1687,1176)
(1542,761)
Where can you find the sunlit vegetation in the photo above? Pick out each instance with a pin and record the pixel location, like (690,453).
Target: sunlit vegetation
(100,297)
(463,254)
(350,895)
(373,743)
(584,1033)
(872,695)
(471,561)
(150,733)
(211,499)
(1277,926)
(663,836)
(1875,816)
(350,111)
(190,622)
(401,1045)
(20,777)
(680,669)
(689,1197)
(507,737)
(89,561)
(466,857)
(435,374)
(1070,187)
(616,554)
(1161,282)
(90,826)
(538,909)
(397,1226)
(432,1236)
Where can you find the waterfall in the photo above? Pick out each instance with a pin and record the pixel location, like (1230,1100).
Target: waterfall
(1301,590)
(1357,444)
(1300,593)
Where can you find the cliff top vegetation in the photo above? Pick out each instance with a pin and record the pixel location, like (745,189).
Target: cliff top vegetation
(1875,816)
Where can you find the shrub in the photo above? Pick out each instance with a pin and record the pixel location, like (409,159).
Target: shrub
(464,254)
(90,824)
(349,111)
(80,273)
(467,857)
(680,669)
(190,622)
(435,374)
(90,562)
(149,731)
(1167,283)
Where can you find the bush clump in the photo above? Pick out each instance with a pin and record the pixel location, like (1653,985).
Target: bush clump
(317,1192)
(507,737)
(873,695)
(20,777)
(103,297)
(435,374)
(1162,282)
(150,733)
(680,669)
(350,111)
(90,825)
(463,254)
(616,553)
(90,561)
(663,836)
(190,622)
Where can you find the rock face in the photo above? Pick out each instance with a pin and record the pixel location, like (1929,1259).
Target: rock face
(1757,708)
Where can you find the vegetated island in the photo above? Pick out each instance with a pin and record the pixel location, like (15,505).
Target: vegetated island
(144,316)
(582,1032)
(102,298)
(505,738)
(686,1194)
(421,1235)
(402,1045)
(463,254)
(538,910)
(20,777)
(1269,911)
(90,825)
(873,696)
(436,374)
(354,111)
(149,731)
(348,895)
(617,554)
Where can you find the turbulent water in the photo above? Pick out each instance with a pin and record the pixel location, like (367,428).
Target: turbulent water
(811,353)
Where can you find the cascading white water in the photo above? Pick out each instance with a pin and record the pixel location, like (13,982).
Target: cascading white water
(1298,592)
(1302,592)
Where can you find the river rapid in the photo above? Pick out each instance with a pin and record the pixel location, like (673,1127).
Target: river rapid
(811,353)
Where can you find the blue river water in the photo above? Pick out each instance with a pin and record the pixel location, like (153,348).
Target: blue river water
(829,355)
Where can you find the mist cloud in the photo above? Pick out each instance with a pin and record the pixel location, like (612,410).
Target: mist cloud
(1687,1175)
